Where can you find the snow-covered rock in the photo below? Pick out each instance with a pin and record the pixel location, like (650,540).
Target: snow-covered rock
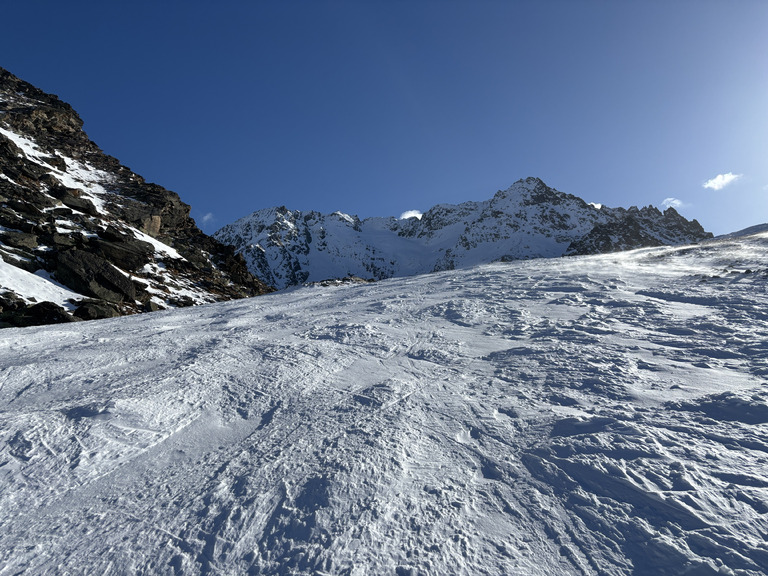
(595,415)
(83,237)
(528,220)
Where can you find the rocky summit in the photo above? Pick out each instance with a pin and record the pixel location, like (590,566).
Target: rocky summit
(84,237)
(528,220)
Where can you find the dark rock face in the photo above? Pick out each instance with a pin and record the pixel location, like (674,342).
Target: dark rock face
(635,228)
(93,276)
(14,311)
(93,310)
(95,227)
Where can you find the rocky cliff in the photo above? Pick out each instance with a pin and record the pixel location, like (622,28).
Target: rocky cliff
(528,220)
(83,237)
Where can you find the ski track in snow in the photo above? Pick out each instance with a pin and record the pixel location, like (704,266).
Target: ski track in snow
(595,415)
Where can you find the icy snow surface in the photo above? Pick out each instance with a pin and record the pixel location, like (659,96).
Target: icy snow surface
(595,415)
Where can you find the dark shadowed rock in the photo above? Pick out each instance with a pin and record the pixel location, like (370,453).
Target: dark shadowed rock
(77,213)
(19,239)
(95,310)
(638,229)
(127,255)
(625,234)
(94,276)
(35,315)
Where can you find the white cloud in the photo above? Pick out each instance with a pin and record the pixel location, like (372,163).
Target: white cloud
(672,203)
(207,218)
(411,214)
(721,181)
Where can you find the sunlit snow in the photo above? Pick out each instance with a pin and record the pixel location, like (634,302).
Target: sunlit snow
(592,415)
(161,248)
(35,287)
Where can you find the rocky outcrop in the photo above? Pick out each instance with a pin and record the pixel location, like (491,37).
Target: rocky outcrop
(15,311)
(641,228)
(74,216)
(528,220)
(93,276)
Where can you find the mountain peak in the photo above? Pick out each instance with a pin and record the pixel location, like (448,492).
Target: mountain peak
(528,220)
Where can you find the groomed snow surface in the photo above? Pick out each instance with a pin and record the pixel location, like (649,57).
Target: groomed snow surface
(595,415)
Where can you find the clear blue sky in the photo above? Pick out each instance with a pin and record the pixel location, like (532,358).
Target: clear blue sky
(378,107)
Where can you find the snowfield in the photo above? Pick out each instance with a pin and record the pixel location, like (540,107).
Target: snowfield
(589,415)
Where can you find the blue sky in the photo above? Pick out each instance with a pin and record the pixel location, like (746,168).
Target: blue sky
(374,108)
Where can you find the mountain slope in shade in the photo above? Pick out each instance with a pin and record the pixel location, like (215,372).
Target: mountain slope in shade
(529,220)
(82,237)
(574,416)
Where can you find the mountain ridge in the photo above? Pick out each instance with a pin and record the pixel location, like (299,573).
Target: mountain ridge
(79,227)
(527,220)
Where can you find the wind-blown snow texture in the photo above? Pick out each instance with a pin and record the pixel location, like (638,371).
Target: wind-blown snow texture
(591,415)
(528,220)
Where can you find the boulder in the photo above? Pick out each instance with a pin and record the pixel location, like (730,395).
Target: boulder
(22,240)
(113,234)
(96,310)
(130,254)
(94,276)
(80,204)
(35,315)
(63,241)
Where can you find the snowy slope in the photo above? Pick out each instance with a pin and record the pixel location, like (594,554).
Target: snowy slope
(528,220)
(591,415)
(748,231)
